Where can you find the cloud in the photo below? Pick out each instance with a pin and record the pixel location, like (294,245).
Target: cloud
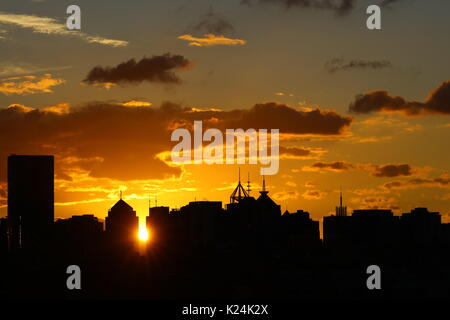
(341,7)
(50,26)
(274,115)
(393,170)
(24,85)
(337,166)
(286,195)
(438,102)
(9,68)
(136,104)
(313,195)
(376,202)
(295,151)
(100,140)
(442,181)
(380,171)
(157,69)
(210,40)
(338,64)
(300,153)
(213,23)
(386,3)
(108,140)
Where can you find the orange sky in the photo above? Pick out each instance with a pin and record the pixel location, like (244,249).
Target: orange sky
(366,112)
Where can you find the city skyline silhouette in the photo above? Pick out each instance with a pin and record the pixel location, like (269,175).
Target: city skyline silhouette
(204,233)
(118,158)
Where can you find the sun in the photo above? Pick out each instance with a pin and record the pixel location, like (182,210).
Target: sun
(143,234)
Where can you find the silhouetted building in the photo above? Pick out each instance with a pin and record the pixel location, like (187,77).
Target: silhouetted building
(161,224)
(78,233)
(299,229)
(268,209)
(421,226)
(239,192)
(122,223)
(368,227)
(30,200)
(255,221)
(157,214)
(3,236)
(200,218)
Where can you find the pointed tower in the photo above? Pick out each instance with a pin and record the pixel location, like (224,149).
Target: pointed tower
(264,192)
(239,192)
(267,208)
(341,211)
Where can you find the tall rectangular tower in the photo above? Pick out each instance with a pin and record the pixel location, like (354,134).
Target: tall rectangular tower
(30,200)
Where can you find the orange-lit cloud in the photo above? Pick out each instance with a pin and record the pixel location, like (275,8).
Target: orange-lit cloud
(375,202)
(210,40)
(50,26)
(438,102)
(313,194)
(109,140)
(60,108)
(136,104)
(24,85)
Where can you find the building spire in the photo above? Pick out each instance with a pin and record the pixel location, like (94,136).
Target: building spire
(120,194)
(248,184)
(341,210)
(239,192)
(264,192)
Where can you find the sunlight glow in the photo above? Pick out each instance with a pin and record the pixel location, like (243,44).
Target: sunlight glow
(143,234)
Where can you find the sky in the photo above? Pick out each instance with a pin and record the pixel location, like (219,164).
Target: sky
(362,111)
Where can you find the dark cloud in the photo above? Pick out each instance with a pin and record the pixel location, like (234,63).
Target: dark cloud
(438,102)
(339,64)
(105,140)
(386,3)
(212,23)
(393,170)
(157,69)
(288,120)
(340,7)
(331,166)
(443,182)
(295,151)
(109,140)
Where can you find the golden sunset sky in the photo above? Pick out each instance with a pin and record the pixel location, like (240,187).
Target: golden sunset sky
(365,111)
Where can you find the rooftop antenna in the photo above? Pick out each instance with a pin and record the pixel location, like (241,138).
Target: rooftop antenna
(248,184)
(120,194)
(156,201)
(149,201)
(340,197)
